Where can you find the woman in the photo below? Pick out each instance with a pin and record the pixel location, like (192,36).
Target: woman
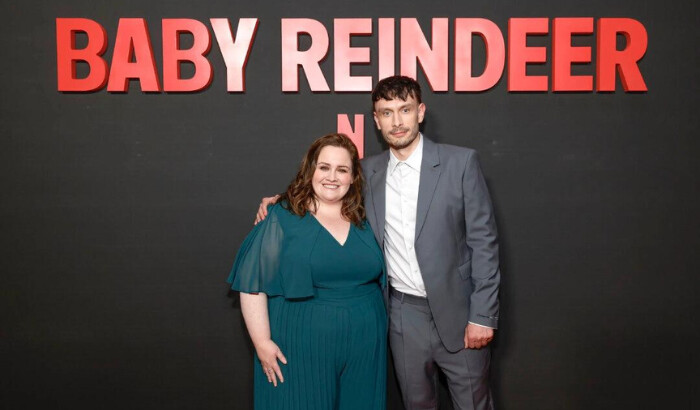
(310,277)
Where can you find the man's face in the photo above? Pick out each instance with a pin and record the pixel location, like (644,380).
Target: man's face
(398,120)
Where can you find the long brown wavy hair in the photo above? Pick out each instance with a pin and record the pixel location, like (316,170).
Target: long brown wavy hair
(300,197)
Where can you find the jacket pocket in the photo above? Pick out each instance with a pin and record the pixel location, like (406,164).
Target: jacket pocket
(465,270)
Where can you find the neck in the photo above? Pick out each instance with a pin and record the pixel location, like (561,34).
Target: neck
(329,208)
(403,153)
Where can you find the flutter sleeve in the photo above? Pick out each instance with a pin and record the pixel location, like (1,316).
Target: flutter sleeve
(257,265)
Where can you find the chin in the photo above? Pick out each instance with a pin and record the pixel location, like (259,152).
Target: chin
(330,198)
(400,143)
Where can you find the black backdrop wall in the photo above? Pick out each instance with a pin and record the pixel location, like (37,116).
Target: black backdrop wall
(121,213)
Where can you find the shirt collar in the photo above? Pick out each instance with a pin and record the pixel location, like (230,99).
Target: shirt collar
(413,161)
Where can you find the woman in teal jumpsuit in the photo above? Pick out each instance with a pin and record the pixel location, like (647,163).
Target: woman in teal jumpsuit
(310,277)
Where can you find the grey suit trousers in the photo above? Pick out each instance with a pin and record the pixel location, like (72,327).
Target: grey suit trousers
(418,353)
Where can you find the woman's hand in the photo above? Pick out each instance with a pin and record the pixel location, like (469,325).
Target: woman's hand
(269,353)
(254,309)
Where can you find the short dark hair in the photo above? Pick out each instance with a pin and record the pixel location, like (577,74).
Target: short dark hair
(397,86)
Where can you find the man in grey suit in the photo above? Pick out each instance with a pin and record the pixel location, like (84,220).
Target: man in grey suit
(430,210)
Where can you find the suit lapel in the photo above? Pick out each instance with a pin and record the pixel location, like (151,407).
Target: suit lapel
(377,187)
(429,175)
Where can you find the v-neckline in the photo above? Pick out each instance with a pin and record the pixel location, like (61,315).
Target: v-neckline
(347,236)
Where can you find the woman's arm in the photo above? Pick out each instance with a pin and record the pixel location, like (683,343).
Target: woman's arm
(254,308)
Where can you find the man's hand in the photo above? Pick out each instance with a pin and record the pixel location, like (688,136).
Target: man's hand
(262,209)
(476,337)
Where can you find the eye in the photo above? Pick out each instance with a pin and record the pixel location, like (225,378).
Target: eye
(323,167)
(343,170)
(406,110)
(386,113)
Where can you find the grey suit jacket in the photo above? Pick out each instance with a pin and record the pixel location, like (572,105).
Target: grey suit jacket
(456,239)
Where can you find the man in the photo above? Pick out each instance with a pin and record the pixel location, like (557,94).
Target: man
(430,210)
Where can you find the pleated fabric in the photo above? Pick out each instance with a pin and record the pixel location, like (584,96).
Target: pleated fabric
(335,345)
(334,340)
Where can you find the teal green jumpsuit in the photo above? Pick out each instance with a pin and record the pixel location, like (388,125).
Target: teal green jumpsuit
(326,312)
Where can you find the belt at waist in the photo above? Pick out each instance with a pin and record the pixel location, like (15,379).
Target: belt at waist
(406,298)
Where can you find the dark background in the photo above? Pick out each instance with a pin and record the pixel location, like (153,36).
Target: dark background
(121,213)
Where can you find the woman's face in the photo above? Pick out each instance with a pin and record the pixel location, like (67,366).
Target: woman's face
(333,174)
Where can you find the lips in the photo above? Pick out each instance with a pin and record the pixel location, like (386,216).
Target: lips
(330,186)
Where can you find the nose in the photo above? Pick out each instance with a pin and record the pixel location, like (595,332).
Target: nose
(396,120)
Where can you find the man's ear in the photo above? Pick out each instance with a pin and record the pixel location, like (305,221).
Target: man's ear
(421,112)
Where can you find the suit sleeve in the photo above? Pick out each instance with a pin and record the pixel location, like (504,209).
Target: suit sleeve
(482,239)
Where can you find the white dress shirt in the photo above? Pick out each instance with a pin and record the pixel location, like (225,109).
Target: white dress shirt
(402,182)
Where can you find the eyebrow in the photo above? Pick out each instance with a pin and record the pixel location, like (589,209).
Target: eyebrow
(400,107)
(339,166)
